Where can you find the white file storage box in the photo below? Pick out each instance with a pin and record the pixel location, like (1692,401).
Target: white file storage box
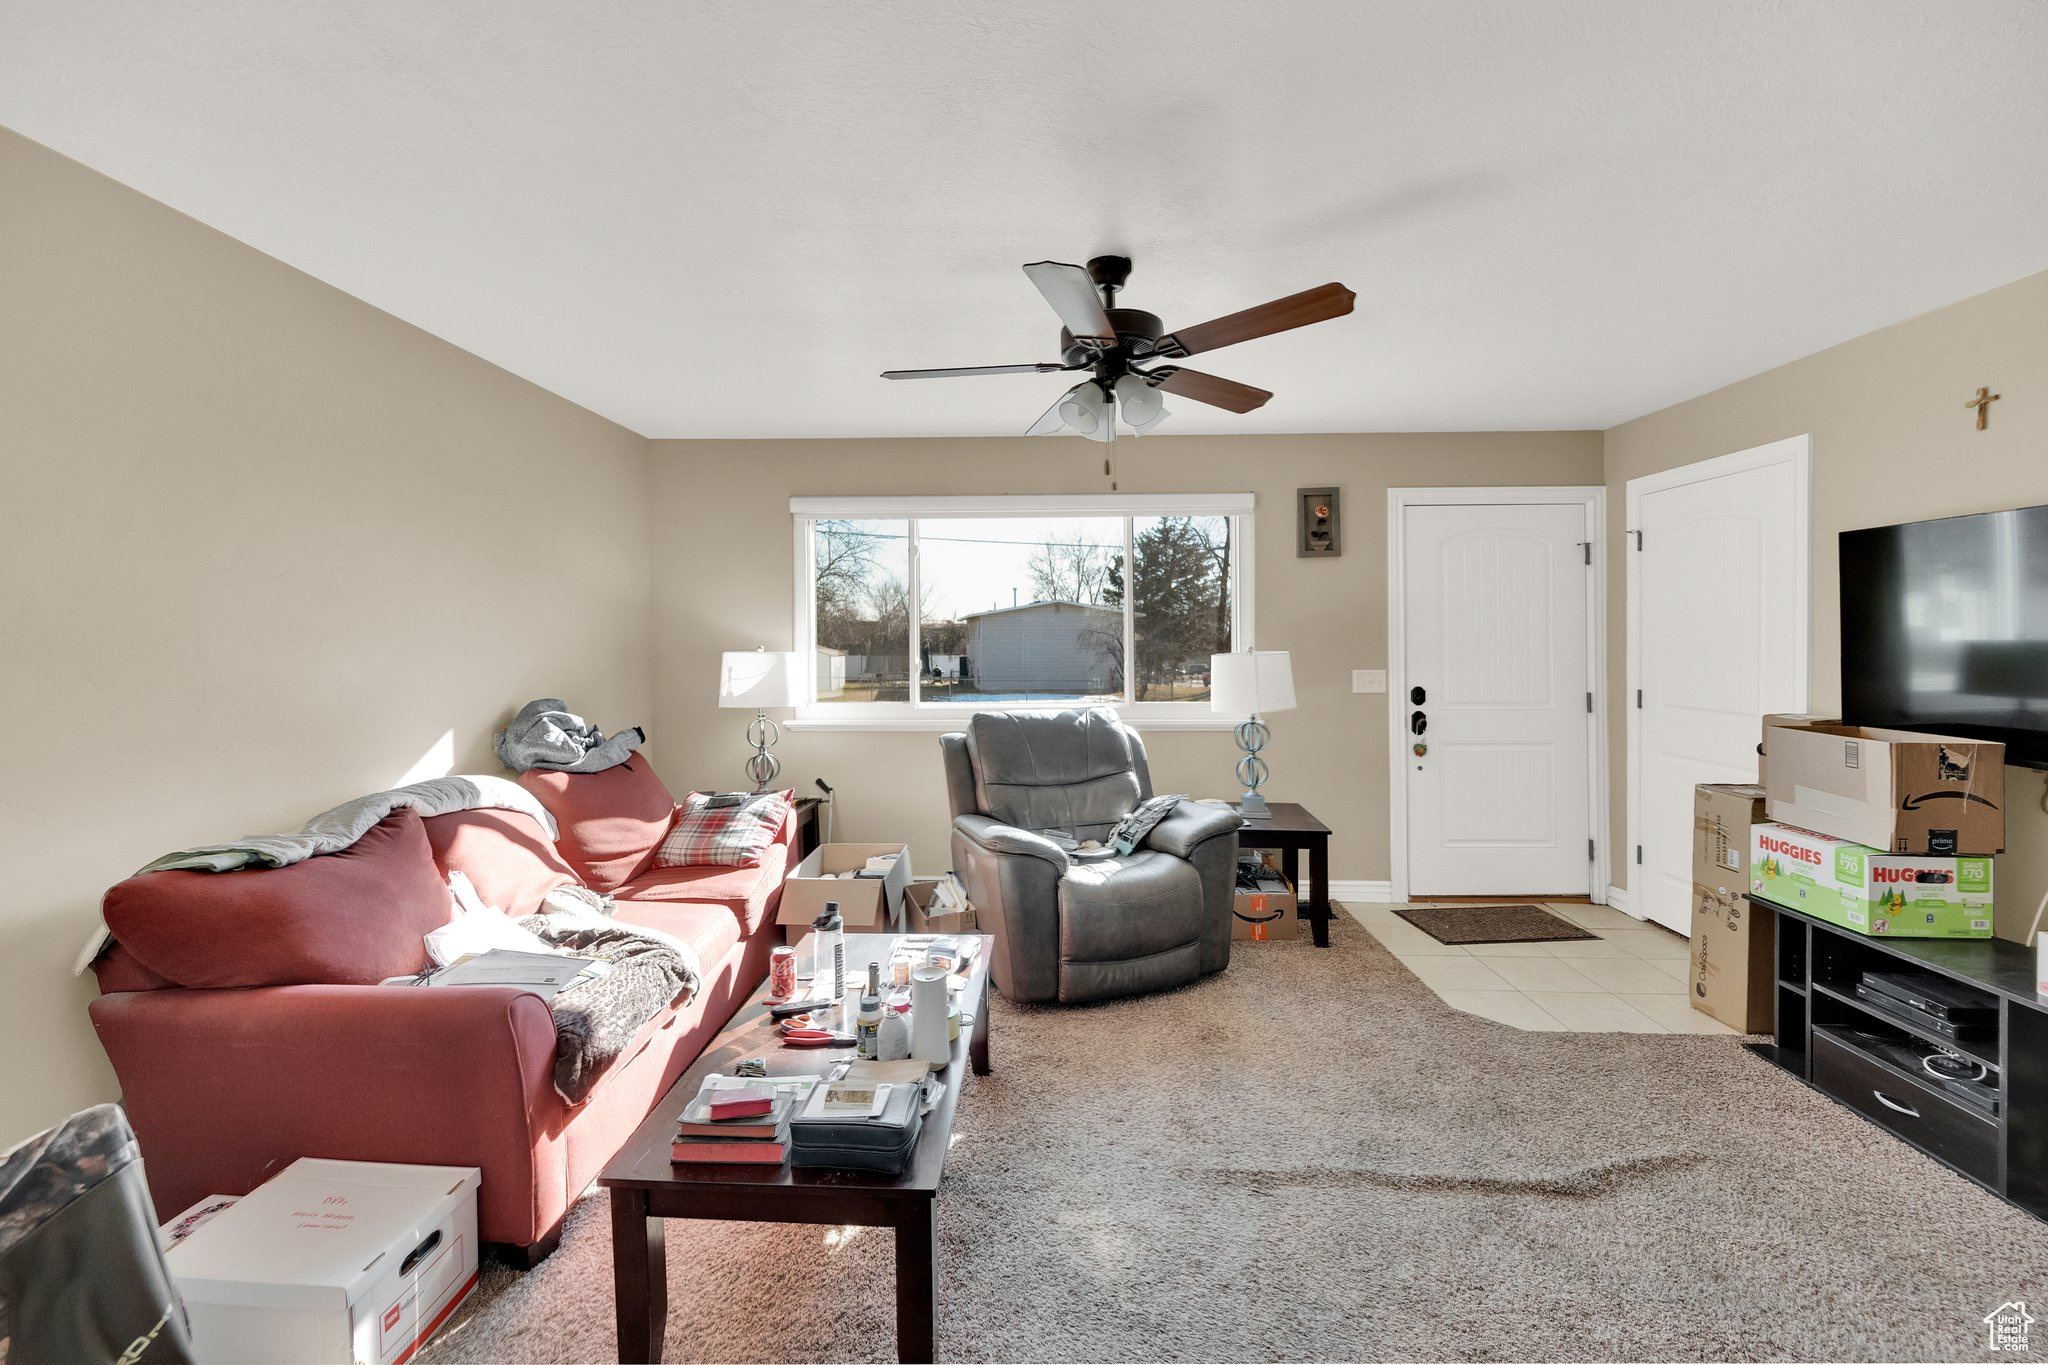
(331,1263)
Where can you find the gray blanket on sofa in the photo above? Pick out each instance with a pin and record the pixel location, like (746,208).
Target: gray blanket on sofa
(547,734)
(334,830)
(597,1020)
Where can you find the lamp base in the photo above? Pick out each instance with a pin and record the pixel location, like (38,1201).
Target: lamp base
(763,766)
(1252,806)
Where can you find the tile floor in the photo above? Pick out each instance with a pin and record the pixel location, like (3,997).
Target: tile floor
(1631,979)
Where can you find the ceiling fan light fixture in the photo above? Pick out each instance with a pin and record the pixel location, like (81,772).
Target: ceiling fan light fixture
(1143,408)
(1087,410)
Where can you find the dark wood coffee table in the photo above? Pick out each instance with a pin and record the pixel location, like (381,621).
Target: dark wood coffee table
(646,1187)
(1291,829)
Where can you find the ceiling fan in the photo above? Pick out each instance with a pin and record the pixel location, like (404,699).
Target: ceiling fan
(1118,344)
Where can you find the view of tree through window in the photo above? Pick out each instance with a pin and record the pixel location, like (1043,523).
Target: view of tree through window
(1021,609)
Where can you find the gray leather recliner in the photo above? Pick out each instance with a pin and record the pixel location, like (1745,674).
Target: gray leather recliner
(1077,925)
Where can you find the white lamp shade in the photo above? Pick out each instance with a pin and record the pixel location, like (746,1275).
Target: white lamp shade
(758,679)
(1252,683)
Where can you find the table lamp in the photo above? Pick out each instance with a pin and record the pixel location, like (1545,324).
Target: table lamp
(1251,683)
(761,679)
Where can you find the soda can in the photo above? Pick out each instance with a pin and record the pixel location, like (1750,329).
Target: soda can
(782,973)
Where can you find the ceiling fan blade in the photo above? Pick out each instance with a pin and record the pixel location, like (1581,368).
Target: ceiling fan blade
(1207,388)
(1070,289)
(1052,422)
(1319,304)
(1043,367)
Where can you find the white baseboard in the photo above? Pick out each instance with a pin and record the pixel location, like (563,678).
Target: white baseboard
(1365,893)
(1618,898)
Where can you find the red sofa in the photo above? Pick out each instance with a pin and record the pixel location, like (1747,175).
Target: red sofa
(287,1048)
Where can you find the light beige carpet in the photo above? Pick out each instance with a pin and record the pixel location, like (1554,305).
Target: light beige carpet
(1312,1157)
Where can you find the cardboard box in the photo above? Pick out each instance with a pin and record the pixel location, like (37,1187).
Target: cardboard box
(1722,815)
(1892,895)
(331,1261)
(869,905)
(919,918)
(1273,910)
(1894,790)
(1731,971)
(1731,974)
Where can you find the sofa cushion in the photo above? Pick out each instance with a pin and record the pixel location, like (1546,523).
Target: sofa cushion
(347,918)
(744,892)
(118,970)
(709,927)
(608,824)
(504,853)
(724,829)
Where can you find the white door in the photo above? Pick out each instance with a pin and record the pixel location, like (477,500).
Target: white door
(1495,626)
(1718,628)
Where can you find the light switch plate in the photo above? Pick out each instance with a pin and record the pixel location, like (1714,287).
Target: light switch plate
(1368,680)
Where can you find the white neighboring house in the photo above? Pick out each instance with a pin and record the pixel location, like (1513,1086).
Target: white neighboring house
(1058,648)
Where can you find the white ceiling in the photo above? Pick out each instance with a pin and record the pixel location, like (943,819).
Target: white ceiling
(724,219)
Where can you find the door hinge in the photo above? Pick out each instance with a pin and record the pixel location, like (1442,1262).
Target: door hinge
(1589,703)
(1587,546)
(1639,699)
(1639,538)
(1589,850)
(1639,855)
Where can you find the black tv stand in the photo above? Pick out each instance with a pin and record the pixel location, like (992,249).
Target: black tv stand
(1822,1029)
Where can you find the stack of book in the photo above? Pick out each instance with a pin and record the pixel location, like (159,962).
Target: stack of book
(747,1126)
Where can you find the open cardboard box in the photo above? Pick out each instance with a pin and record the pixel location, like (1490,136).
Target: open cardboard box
(868,905)
(918,902)
(1897,791)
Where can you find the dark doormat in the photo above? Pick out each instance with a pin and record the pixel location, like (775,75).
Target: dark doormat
(1492,924)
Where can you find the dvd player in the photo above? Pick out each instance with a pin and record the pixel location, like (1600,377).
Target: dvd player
(1965,1029)
(1926,993)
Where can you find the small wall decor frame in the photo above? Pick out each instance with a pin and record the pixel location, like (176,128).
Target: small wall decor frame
(1318,524)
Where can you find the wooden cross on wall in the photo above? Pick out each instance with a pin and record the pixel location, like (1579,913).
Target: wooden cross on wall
(1982,403)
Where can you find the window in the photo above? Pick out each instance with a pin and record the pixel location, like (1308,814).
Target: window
(918,609)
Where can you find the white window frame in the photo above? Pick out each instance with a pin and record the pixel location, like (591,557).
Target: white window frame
(805,512)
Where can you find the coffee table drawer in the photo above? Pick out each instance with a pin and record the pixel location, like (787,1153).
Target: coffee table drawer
(1934,1123)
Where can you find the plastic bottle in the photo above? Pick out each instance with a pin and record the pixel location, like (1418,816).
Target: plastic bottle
(867,1026)
(828,955)
(928,1041)
(892,1040)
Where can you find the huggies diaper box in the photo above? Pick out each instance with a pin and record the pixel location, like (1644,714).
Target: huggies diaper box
(1891,895)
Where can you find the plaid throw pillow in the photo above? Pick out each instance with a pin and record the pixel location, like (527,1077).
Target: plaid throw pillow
(724,829)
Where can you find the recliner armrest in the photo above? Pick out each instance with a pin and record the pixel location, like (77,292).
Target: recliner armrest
(1190,824)
(997,837)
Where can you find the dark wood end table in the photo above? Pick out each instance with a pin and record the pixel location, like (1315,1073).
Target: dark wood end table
(807,824)
(646,1187)
(1292,830)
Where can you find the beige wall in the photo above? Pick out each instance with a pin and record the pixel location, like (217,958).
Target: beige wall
(264,546)
(723,566)
(1892,442)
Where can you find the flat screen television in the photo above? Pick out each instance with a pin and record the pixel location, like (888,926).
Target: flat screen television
(1945,628)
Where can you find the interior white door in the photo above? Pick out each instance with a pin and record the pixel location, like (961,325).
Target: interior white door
(1719,611)
(1494,610)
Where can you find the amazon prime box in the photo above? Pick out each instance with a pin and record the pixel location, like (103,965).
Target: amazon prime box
(1897,791)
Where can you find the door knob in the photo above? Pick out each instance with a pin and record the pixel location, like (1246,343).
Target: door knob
(1418,723)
